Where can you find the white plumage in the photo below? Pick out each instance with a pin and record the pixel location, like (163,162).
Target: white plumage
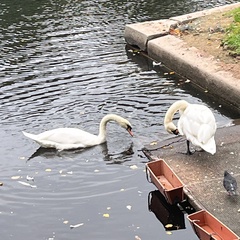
(196,122)
(73,138)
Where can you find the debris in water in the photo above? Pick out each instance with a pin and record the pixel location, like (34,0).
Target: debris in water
(106,215)
(15,177)
(129,207)
(134,167)
(29,178)
(27,184)
(169,225)
(76,226)
(48,170)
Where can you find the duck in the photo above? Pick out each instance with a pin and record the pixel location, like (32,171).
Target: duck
(74,138)
(197,123)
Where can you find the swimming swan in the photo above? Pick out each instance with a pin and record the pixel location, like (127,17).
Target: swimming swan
(196,122)
(73,138)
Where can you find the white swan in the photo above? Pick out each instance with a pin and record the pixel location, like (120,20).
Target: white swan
(196,122)
(73,138)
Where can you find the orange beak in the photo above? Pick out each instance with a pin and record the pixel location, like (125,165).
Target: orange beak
(130,131)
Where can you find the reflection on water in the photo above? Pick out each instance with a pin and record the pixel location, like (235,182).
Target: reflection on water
(171,217)
(64,64)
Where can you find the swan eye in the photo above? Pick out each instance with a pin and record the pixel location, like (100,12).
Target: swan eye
(176,132)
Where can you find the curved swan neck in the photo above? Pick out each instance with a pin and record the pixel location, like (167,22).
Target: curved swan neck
(105,120)
(180,105)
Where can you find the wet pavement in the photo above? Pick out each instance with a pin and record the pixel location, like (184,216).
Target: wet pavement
(202,173)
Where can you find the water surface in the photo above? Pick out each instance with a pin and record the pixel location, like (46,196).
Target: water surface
(65,64)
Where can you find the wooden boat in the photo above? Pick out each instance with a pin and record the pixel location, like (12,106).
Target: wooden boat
(207,227)
(166,181)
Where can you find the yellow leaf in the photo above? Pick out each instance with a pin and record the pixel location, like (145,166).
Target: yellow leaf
(153,143)
(134,167)
(168,225)
(15,177)
(106,215)
(48,170)
(168,233)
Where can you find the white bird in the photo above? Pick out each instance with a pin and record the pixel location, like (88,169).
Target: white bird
(73,138)
(196,122)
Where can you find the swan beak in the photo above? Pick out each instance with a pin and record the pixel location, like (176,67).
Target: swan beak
(129,129)
(176,132)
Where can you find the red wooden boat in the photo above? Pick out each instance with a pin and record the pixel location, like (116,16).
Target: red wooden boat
(166,181)
(207,227)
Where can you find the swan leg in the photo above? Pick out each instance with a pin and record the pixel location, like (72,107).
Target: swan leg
(188,148)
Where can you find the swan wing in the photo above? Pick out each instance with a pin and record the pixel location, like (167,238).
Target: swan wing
(198,124)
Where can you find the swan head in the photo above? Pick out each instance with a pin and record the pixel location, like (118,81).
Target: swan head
(171,128)
(126,125)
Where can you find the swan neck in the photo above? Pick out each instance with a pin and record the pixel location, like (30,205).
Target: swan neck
(180,105)
(103,124)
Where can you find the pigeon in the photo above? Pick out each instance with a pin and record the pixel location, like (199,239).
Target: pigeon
(230,183)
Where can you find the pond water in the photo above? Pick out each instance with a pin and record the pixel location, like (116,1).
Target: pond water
(65,64)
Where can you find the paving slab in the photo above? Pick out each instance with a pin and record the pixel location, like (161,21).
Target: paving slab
(202,173)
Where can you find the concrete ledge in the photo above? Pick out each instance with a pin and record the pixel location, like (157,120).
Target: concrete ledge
(139,34)
(153,37)
(203,71)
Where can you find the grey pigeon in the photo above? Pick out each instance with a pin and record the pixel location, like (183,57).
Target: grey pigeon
(230,183)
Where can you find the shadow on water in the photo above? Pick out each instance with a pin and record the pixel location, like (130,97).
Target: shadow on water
(172,217)
(110,158)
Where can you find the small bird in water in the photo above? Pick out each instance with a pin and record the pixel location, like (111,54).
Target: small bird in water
(230,183)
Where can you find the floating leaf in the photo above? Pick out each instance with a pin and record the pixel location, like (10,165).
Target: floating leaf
(96,170)
(48,170)
(76,226)
(134,167)
(171,73)
(106,215)
(153,143)
(15,177)
(168,233)
(65,222)
(169,225)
